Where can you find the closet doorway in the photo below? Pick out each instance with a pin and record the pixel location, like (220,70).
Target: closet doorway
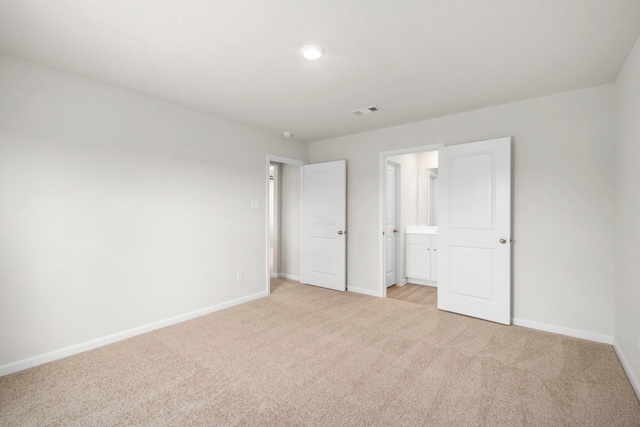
(283,218)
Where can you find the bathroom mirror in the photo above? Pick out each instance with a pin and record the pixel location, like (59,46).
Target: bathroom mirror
(427,196)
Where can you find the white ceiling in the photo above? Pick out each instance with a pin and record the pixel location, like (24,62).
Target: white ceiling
(415,59)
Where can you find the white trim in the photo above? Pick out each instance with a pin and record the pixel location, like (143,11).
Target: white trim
(382,167)
(422,282)
(289,276)
(627,368)
(364,291)
(411,150)
(576,333)
(286,160)
(20,365)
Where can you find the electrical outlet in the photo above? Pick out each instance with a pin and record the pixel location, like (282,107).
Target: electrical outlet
(239,276)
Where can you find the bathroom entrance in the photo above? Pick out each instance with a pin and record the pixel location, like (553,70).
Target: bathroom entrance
(464,246)
(410,231)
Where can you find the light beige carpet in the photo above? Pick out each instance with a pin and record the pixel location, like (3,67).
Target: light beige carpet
(309,356)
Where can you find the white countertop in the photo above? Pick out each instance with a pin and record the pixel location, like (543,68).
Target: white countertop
(421,229)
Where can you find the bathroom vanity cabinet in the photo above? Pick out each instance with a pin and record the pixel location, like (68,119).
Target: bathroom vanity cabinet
(421,255)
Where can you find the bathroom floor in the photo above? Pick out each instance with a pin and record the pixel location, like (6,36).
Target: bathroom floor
(417,294)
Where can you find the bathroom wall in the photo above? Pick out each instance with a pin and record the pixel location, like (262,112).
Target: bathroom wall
(427,159)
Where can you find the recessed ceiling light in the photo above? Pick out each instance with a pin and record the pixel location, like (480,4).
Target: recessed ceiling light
(312,51)
(287,134)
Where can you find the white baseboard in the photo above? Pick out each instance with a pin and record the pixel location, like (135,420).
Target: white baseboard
(402,282)
(576,333)
(627,368)
(363,291)
(422,282)
(20,365)
(289,276)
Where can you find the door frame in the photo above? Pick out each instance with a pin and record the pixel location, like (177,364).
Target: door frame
(273,158)
(397,205)
(382,180)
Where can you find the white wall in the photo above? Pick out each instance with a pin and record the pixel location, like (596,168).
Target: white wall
(118,210)
(290,226)
(627,250)
(563,215)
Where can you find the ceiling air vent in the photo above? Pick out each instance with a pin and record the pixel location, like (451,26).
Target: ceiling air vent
(366,110)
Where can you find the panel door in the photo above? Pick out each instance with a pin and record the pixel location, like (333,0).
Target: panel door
(324,201)
(391,232)
(474,214)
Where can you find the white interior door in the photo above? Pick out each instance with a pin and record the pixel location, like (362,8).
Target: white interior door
(391,224)
(474,227)
(274,244)
(324,202)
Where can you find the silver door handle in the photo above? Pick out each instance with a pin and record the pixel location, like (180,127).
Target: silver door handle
(342,232)
(395,230)
(503,241)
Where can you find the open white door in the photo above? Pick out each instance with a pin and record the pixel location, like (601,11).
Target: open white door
(391,224)
(324,240)
(474,227)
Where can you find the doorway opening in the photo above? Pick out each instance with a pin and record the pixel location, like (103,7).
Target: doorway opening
(470,242)
(409,208)
(283,219)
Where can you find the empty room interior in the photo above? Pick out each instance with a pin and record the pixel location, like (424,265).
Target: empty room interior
(299,212)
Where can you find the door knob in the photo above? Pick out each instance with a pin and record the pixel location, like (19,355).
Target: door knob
(503,241)
(395,230)
(340,232)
